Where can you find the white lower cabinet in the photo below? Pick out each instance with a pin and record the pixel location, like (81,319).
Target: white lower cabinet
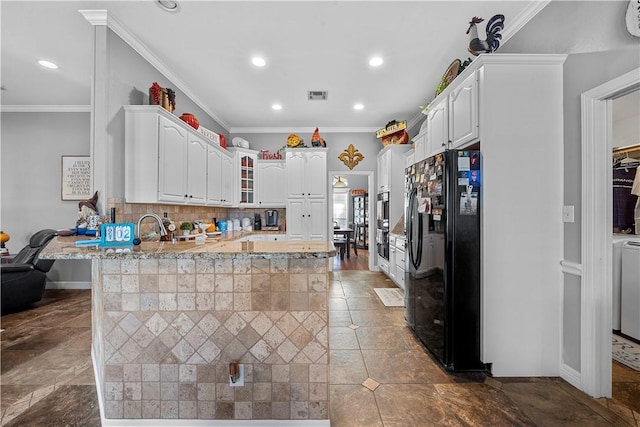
(275,237)
(400,256)
(384,265)
(258,237)
(306,219)
(394,268)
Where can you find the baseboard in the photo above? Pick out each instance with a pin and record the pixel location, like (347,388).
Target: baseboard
(214,423)
(571,376)
(68,285)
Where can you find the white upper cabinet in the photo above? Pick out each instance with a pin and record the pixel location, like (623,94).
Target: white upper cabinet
(167,161)
(384,164)
(172,144)
(197,170)
(437,129)
(245,176)
(219,177)
(463,112)
(420,146)
(271,179)
(227,181)
(306,172)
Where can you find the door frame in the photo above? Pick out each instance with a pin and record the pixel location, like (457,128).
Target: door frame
(596,250)
(370,212)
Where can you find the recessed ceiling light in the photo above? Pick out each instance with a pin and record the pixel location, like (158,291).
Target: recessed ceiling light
(168,5)
(47,64)
(276,107)
(358,107)
(376,61)
(258,61)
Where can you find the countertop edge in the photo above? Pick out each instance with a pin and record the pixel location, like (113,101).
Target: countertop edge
(230,247)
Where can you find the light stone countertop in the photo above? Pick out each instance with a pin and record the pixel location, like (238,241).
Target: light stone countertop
(225,246)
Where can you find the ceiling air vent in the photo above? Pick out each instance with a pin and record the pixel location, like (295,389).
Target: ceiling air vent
(318,95)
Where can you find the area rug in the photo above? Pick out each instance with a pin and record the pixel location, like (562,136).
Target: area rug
(390,297)
(626,352)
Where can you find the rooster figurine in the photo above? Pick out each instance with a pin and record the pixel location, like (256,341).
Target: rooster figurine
(491,44)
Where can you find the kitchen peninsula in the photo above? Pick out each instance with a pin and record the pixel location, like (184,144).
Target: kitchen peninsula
(168,319)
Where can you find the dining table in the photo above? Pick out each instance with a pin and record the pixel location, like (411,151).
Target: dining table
(347,233)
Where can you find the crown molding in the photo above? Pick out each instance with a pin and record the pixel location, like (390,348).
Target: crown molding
(95,17)
(527,14)
(311,129)
(121,31)
(415,120)
(45,108)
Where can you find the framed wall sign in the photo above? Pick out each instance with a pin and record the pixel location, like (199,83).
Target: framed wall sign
(76,178)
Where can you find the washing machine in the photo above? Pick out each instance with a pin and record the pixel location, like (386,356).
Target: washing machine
(630,290)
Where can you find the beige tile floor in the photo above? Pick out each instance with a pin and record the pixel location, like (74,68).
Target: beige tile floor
(379,374)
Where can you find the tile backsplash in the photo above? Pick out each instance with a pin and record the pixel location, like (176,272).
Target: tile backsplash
(131,212)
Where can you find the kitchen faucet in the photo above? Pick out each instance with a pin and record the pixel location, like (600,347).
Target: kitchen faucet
(163,231)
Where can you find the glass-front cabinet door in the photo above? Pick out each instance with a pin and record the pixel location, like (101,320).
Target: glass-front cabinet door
(247,183)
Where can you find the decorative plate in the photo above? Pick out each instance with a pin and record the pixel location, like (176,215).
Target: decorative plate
(449,76)
(452,72)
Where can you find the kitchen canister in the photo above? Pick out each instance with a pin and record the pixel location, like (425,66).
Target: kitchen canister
(222,226)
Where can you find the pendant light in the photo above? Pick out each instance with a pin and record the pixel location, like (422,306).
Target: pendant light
(339,183)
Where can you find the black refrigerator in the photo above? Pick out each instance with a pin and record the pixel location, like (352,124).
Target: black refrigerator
(442,265)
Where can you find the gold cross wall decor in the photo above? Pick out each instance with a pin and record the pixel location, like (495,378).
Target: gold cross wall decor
(351,156)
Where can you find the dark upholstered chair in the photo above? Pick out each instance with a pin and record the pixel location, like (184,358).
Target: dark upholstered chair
(24,277)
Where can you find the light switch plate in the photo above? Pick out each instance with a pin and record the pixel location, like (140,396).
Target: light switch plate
(567,214)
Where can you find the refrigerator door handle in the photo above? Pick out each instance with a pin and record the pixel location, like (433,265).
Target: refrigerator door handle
(415,257)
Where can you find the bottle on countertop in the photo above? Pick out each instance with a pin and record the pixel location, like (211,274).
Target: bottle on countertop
(169,226)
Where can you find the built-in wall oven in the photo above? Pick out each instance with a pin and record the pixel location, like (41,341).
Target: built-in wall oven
(382,231)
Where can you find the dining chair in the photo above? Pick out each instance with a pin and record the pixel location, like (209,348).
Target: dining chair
(353,239)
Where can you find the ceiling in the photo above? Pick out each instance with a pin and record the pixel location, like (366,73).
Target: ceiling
(208,45)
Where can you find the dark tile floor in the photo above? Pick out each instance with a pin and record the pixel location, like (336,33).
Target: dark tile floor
(379,374)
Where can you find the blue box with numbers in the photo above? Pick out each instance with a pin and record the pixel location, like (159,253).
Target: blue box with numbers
(114,235)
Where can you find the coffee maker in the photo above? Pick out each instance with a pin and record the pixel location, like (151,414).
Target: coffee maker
(257,222)
(271,219)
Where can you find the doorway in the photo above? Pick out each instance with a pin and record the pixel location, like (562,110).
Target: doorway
(596,241)
(353,180)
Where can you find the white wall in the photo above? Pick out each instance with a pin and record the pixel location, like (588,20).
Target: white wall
(130,77)
(32,146)
(600,49)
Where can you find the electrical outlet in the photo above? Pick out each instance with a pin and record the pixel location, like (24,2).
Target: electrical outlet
(567,213)
(240,380)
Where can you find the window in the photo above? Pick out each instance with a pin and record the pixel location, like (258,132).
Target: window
(340,207)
